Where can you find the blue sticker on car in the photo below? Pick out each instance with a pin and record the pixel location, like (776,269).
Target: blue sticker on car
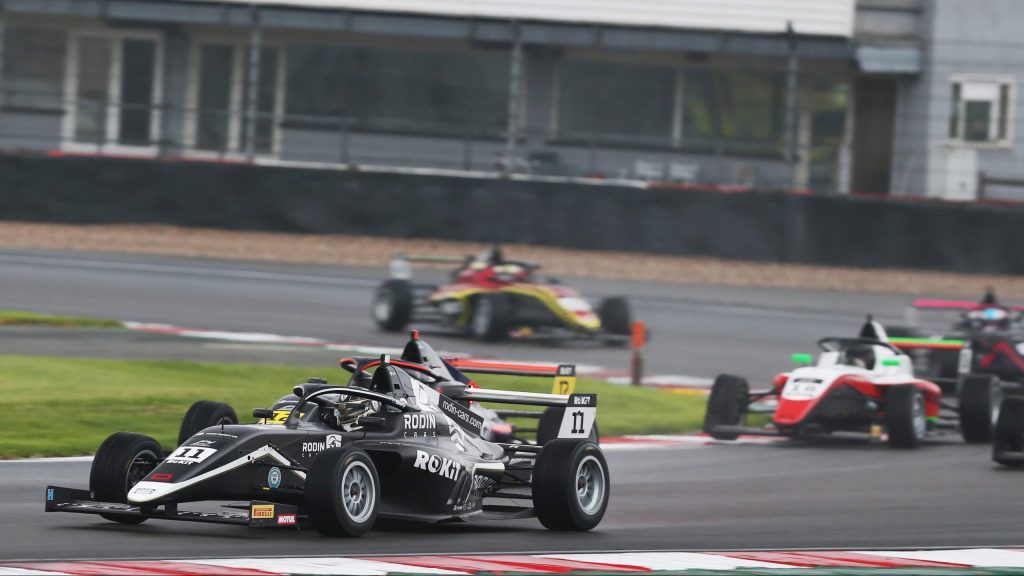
(49,494)
(274,477)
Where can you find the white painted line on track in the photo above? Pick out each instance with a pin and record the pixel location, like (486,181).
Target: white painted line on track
(120,266)
(328,565)
(669,560)
(986,557)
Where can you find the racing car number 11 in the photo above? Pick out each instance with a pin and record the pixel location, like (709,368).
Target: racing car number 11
(579,416)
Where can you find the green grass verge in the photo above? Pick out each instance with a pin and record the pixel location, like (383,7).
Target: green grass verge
(22,318)
(67,406)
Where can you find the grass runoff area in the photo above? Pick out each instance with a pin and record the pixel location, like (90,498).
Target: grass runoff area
(21,318)
(67,406)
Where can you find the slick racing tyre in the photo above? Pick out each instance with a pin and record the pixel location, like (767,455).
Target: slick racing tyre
(392,305)
(980,398)
(726,406)
(905,416)
(615,316)
(124,459)
(551,421)
(342,492)
(1008,445)
(204,414)
(490,319)
(570,485)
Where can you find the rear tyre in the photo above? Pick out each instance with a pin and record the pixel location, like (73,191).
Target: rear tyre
(726,405)
(570,485)
(204,414)
(551,421)
(980,399)
(905,416)
(491,317)
(122,461)
(342,492)
(392,305)
(1008,445)
(615,316)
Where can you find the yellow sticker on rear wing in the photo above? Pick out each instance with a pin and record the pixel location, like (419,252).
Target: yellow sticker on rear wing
(565,380)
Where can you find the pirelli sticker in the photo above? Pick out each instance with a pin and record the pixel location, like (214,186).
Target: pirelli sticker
(261,511)
(565,380)
(460,414)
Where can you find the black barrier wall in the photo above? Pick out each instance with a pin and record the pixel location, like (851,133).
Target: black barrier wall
(765,227)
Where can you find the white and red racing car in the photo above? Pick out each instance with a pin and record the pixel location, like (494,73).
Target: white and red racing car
(862,385)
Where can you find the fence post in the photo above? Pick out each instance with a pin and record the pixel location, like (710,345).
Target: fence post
(637,343)
(253,82)
(514,76)
(3,22)
(792,85)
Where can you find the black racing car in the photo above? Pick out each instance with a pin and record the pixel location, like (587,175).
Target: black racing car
(346,455)
(418,355)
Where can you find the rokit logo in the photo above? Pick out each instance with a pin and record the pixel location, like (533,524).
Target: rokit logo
(332,441)
(435,464)
(420,426)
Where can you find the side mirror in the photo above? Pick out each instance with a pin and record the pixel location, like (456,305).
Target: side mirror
(802,359)
(891,362)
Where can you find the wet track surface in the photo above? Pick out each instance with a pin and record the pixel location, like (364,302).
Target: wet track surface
(711,497)
(789,494)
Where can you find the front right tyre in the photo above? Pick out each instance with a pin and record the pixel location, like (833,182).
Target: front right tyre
(122,461)
(1008,444)
(342,492)
(980,398)
(204,414)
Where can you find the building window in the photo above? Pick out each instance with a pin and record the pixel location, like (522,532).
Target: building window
(220,104)
(383,89)
(112,91)
(610,102)
(733,111)
(33,68)
(981,111)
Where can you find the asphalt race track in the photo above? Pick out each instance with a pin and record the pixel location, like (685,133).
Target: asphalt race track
(711,498)
(780,495)
(696,330)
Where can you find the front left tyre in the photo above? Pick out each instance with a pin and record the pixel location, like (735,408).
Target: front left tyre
(204,414)
(905,416)
(122,461)
(980,398)
(570,485)
(726,406)
(342,492)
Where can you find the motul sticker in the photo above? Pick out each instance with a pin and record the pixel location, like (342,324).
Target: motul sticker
(286,520)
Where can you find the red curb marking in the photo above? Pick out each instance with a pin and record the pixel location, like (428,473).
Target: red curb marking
(502,564)
(139,568)
(838,560)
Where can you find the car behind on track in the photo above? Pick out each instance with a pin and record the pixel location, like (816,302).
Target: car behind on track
(862,384)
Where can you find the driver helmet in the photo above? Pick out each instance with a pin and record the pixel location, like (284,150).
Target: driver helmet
(860,356)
